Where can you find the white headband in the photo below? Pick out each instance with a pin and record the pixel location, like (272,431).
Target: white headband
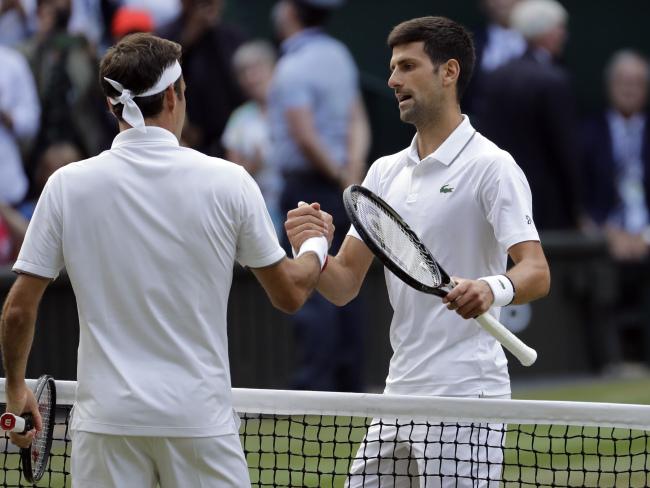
(131,112)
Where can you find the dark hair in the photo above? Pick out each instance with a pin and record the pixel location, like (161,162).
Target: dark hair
(137,62)
(310,16)
(443,40)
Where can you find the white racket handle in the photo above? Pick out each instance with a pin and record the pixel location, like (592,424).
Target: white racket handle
(12,423)
(526,355)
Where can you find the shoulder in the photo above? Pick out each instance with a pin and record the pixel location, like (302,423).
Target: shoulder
(490,158)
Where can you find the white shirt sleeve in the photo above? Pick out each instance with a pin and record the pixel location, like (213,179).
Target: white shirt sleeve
(505,196)
(42,251)
(257,243)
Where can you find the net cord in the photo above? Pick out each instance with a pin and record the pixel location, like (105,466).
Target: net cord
(419,408)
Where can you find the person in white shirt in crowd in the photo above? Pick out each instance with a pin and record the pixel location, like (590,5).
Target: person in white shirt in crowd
(246,137)
(470,204)
(17,21)
(149,232)
(20,113)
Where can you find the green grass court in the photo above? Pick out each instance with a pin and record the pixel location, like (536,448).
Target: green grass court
(299,451)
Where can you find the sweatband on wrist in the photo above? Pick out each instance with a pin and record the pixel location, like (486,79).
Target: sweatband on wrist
(317,245)
(502,289)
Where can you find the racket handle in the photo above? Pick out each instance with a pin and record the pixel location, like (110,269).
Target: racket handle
(507,339)
(15,423)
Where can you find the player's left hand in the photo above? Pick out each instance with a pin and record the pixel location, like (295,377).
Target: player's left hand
(469,298)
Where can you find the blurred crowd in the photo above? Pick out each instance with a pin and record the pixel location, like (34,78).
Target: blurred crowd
(290,110)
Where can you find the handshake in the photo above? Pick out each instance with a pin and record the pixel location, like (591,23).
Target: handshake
(310,229)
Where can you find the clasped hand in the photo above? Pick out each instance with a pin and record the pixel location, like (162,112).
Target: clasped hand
(308,220)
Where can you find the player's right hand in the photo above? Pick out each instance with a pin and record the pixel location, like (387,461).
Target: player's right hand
(19,401)
(308,220)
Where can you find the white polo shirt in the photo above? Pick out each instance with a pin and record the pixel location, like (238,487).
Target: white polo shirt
(469,202)
(149,233)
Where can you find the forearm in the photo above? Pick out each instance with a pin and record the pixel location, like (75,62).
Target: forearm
(17,335)
(338,283)
(318,157)
(531,281)
(358,142)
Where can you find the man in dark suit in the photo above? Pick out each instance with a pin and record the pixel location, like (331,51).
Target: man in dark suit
(495,43)
(529,110)
(616,166)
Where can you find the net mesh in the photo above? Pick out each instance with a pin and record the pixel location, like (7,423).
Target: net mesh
(311,439)
(397,243)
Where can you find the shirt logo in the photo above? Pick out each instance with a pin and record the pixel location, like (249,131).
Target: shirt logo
(528,219)
(446,189)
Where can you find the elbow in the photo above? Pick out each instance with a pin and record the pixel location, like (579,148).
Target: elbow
(290,303)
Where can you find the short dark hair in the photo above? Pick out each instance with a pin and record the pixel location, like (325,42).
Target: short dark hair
(443,40)
(310,16)
(137,62)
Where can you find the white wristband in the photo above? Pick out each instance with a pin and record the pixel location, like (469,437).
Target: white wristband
(315,244)
(502,289)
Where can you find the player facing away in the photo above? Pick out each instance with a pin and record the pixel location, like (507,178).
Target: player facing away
(149,232)
(470,204)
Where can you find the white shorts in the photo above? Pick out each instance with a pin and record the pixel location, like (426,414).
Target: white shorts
(110,461)
(396,454)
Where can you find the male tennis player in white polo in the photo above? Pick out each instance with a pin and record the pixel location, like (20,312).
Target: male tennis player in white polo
(470,204)
(149,233)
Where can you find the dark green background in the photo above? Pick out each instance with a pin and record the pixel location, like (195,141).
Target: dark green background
(597,29)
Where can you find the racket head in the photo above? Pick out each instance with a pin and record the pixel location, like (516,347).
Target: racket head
(35,458)
(393,242)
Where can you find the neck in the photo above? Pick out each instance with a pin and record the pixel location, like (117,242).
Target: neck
(152,122)
(433,134)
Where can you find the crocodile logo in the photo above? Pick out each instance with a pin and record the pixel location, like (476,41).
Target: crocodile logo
(446,189)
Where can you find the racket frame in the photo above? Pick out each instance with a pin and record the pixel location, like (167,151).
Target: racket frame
(28,454)
(349,201)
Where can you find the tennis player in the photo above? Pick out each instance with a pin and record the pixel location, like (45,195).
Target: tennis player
(149,232)
(470,204)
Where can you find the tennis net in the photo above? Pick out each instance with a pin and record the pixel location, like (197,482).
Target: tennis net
(317,439)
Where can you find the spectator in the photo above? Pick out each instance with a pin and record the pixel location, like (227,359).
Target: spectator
(496,43)
(246,138)
(65,70)
(163,12)
(212,91)
(617,167)
(128,20)
(19,115)
(529,110)
(320,140)
(54,157)
(17,21)
(12,233)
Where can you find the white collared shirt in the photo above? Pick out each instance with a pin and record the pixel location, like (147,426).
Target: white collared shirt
(149,233)
(469,203)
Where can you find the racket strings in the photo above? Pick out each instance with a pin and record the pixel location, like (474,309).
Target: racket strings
(401,246)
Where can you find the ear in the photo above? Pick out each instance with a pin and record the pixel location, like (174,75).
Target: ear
(450,71)
(170,98)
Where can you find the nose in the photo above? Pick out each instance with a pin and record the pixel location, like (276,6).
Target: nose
(394,80)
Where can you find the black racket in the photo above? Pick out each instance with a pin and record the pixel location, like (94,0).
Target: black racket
(401,251)
(35,457)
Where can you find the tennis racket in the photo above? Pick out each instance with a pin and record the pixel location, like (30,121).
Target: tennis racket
(401,251)
(35,457)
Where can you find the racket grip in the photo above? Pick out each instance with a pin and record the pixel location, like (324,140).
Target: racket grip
(526,355)
(15,423)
